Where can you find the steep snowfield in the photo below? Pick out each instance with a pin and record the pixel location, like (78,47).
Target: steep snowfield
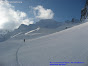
(69,45)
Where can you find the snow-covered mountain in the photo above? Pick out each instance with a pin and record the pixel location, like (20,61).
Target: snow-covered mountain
(74,20)
(4,31)
(69,45)
(49,23)
(42,24)
(46,27)
(4,35)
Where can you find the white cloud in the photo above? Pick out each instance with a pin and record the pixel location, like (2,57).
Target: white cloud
(27,21)
(42,13)
(11,18)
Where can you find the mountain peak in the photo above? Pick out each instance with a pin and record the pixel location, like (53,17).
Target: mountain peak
(48,23)
(22,26)
(84,12)
(46,20)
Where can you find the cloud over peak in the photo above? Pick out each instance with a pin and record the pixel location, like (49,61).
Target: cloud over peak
(42,13)
(10,18)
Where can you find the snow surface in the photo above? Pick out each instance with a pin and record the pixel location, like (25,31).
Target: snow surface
(70,45)
(16,35)
(32,31)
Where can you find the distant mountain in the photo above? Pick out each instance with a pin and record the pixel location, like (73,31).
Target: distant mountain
(48,23)
(41,28)
(4,35)
(74,20)
(46,26)
(4,31)
(45,23)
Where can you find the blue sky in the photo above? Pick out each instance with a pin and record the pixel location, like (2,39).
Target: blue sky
(31,11)
(63,9)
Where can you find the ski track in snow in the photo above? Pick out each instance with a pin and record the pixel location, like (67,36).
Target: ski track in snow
(17,59)
(32,31)
(16,35)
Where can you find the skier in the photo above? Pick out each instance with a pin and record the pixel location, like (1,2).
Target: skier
(66,27)
(24,40)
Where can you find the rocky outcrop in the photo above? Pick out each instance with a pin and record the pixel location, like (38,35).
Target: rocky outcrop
(84,12)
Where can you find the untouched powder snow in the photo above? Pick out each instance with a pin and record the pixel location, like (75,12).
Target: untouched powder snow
(70,45)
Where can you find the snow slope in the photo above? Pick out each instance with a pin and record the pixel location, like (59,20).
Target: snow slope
(70,45)
(16,35)
(32,31)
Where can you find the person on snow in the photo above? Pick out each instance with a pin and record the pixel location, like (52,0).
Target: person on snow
(24,40)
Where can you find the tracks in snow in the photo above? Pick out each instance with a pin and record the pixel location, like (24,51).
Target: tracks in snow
(17,59)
